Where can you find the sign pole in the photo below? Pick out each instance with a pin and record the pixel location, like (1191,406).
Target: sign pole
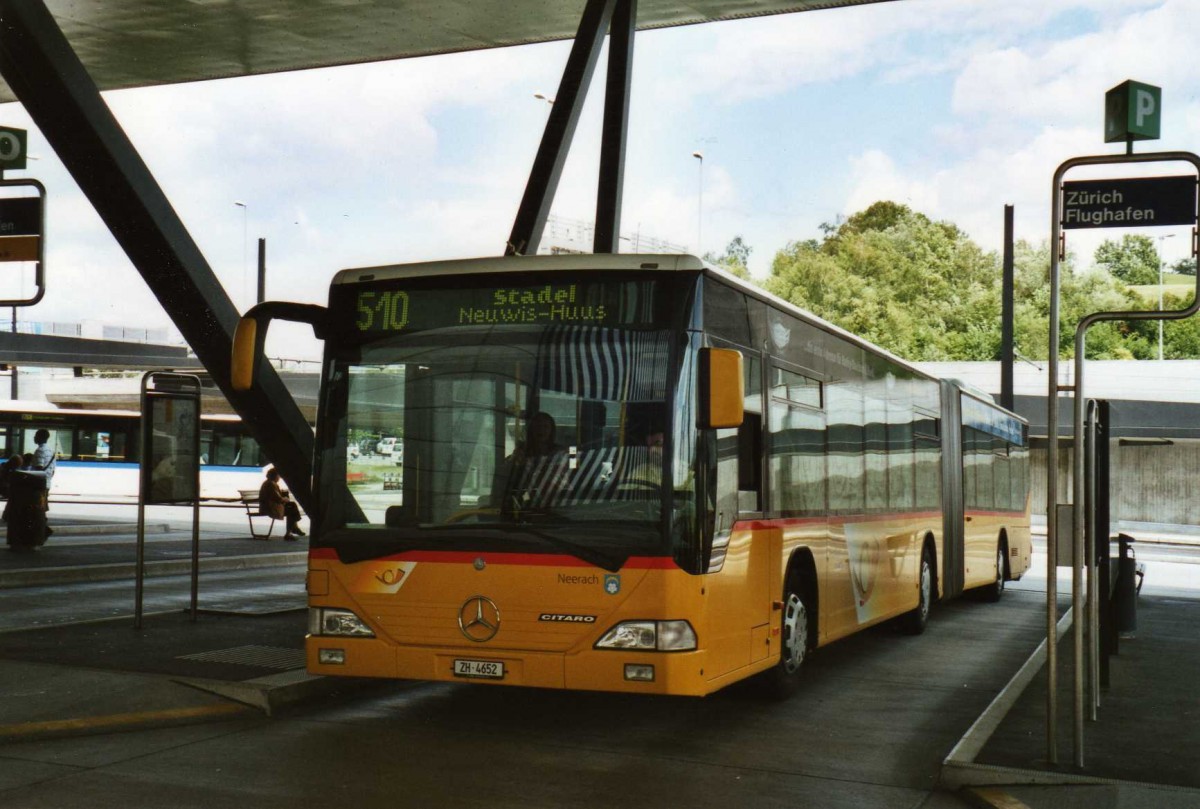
(1167,207)
(170,462)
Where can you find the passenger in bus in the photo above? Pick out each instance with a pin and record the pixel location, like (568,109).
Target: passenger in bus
(273,500)
(539,436)
(646,469)
(529,473)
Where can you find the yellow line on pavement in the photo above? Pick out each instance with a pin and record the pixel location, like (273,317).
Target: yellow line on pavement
(992,798)
(93,723)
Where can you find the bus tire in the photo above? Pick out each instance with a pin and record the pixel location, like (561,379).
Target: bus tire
(795,641)
(995,590)
(914,622)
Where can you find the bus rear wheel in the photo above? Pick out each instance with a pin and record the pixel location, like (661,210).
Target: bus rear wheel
(784,679)
(995,590)
(914,622)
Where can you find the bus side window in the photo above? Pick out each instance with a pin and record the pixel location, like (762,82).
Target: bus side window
(749,438)
(749,450)
(225,450)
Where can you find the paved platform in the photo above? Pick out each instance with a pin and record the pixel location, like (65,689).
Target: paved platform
(74,672)
(243,656)
(1143,750)
(1148,723)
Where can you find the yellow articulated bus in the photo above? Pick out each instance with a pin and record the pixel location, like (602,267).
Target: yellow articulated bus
(629,473)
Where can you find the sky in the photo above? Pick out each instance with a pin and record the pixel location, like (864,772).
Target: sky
(953,107)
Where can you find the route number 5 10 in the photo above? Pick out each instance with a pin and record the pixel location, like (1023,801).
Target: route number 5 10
(382,310)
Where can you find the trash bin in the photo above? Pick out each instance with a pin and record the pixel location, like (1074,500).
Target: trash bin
(1126,597)
(27,510)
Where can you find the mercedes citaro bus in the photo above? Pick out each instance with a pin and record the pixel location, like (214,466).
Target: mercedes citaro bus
(629,473)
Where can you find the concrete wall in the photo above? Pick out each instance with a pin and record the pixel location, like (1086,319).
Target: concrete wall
(1155,483)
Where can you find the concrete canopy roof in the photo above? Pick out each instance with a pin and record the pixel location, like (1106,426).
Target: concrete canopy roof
(138,43)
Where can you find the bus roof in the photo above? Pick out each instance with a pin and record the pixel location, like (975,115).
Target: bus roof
(503,264)
(661,262)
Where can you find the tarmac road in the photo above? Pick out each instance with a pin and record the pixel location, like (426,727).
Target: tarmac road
(877,715)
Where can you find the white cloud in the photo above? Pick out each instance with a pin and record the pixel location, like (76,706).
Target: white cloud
(1022,109)
(428,158)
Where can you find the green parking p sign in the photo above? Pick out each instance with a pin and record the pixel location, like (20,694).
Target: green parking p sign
(1132,111)
(13,144)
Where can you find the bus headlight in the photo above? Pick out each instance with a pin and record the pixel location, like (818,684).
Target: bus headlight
(328,621)
(650,636)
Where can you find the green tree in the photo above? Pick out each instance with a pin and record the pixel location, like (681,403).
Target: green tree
(925,291)
(1133,261)
(914,286)
(1185,266)
(1081,294)
(735,259)
(1181,338)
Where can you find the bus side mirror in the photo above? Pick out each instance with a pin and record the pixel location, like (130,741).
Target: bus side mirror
(722,388)
(245,353)
(251,334)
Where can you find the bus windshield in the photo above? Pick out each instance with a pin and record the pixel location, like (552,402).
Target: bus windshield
(504,438)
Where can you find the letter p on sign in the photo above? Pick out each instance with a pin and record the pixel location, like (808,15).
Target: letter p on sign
(1147,105)
(1132,111)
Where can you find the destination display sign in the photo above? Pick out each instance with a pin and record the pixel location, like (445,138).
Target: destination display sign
(1129,202)
(20,228)
(373,309)
(21,216)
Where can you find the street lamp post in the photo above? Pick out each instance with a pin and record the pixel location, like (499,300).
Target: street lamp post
(245,237)
(699,201)
(1161,262)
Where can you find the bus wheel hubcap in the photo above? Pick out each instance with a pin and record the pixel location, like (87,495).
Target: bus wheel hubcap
(926,588)
(795,631)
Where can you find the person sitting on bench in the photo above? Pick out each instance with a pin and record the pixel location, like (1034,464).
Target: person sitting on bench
(274,501)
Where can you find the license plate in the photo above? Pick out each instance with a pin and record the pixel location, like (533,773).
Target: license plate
(479,668)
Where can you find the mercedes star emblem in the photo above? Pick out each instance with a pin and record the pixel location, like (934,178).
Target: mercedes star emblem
(479,619)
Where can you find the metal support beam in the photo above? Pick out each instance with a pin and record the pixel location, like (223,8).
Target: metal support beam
(1007,347)
(52,350)
(47,77)
(616,128)
(560,129)
(262,271)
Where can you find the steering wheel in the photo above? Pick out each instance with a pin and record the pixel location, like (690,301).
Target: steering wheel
(468,513)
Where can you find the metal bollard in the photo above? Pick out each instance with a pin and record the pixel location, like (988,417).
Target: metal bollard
(1126,597)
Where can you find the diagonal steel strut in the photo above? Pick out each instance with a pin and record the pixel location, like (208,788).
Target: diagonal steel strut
(47,77)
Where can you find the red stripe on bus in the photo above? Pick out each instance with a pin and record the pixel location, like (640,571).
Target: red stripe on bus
(781,522)
(531,559)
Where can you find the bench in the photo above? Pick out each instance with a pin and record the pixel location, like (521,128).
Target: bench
(253,511)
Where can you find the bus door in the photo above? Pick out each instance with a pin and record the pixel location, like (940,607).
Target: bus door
(741,590)
(798,480)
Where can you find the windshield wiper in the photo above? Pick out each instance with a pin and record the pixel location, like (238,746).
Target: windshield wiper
(610,562)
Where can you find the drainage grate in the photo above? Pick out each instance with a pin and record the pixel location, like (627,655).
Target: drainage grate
(267,657)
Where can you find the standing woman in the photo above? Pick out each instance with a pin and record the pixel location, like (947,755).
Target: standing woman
(43,456)
(44,460)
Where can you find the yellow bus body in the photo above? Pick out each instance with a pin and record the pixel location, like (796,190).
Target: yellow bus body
(867,572)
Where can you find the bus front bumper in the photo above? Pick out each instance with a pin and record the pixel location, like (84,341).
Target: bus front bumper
(680,673)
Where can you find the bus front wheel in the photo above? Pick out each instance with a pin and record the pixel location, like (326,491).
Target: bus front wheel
(782,680)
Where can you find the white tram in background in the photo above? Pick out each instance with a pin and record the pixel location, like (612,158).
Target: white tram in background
(98,450)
